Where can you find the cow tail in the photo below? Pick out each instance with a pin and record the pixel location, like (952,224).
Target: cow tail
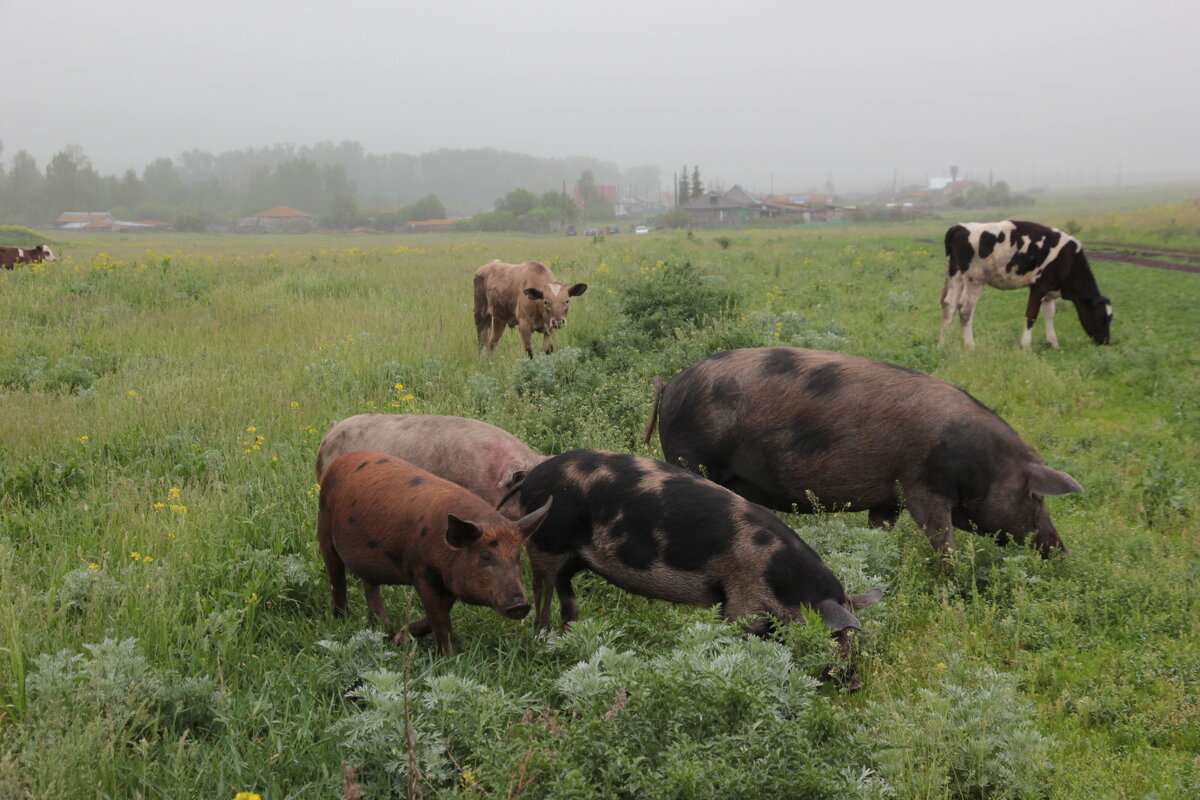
(480,302)
(652,423)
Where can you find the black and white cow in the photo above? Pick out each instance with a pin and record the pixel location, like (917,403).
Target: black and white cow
(1015,255)
(10,256)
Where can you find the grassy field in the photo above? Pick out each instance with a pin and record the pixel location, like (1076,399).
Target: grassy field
(165,629)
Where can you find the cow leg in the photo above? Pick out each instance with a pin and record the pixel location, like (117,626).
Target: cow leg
(1048,310)
(1031,315)
(334,565)
(526,332)
(951,293)
(968,299)
(495,330)
(375,609)
(483,326)
(548,341)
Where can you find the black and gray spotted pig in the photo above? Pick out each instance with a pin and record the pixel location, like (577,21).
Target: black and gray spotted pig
(786,427)
(660,531)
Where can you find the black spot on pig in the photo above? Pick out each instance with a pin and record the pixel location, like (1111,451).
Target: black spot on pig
(823,381)
(777,361)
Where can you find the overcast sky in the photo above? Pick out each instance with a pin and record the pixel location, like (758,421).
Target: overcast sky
(782,95)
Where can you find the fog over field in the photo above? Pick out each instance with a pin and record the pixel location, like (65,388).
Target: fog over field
(770,95)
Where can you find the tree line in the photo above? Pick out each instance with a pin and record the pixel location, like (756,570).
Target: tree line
(342,184)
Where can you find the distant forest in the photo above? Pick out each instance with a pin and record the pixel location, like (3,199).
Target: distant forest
(200,189)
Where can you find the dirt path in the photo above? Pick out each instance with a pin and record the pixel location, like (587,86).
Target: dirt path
(1145,256)
(1141,255)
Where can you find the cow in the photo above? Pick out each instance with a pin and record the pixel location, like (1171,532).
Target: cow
(660,531)
(1015,255)
(477,456)
(525,296)
(11,256)
(393,523)
(807,430)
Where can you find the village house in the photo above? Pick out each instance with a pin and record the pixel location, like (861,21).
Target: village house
(281,219)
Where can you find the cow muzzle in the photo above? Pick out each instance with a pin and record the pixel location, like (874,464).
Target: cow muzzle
(557,323)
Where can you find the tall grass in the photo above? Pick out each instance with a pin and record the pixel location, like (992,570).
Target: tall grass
(165,614)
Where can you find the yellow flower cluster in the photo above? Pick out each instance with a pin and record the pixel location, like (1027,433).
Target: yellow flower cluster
(172,494)
(256,443)
(136,556)
(247,796)
(402,396)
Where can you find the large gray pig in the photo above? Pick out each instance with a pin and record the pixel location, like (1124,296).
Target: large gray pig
(659,531)
(808,430)
(475,455)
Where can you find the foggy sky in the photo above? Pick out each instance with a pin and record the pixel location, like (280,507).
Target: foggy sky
(769,95)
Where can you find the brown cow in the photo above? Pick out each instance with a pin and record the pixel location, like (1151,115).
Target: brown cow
(392,523)
(525,296)
(10,256)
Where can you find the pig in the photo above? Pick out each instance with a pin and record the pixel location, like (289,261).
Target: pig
(662,532)
(393,523)
(806,430)
(525,296)
(473,454)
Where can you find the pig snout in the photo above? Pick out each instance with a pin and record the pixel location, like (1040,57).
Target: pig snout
(518,608)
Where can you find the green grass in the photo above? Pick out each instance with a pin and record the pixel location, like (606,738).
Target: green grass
(211,365)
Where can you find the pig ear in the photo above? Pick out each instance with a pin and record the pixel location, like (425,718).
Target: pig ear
(533,294)
(577,290)
(1049,482)
(460,533)
(837,618)
(859,601)
(512,476)
(533,520)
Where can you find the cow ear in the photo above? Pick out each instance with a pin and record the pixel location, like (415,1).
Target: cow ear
(461,533)
(577,290)
(1050,482)
(836,617)
(533,294)
(533,520)
(860,601)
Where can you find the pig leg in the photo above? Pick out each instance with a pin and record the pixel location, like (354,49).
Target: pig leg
(933,513)
(375,609)
(883,516)
(544,568)
(334,565)
(437,604)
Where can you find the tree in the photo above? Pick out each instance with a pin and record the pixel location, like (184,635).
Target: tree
(345,212)
(697,186)
(675,218)
(71,180)
(518,201)
(683,192)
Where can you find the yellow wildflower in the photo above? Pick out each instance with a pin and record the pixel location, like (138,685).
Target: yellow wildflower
(132,393)
(173,491)
(251,429)
(135,555)
(293,404)
(84,438)
(93,566)
(159,506)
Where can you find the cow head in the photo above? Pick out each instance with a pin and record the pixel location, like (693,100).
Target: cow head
(46,254)
(556,299)
(1095,314)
